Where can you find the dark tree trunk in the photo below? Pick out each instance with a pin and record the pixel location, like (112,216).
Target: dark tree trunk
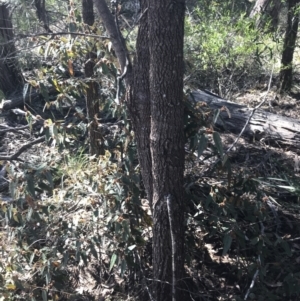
(42,14)
(92,95)
(166,29)
(88,12)
(267,9)
(140,102)
(155,103)
(10,75)
(286,73)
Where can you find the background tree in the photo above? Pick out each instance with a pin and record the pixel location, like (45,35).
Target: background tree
(267,9)
(10,75)
(286,72)
(42,13)
(92,91)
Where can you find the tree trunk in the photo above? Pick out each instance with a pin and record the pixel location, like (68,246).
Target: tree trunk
(155,103)
(286,73)
(42,14)
(10,75)
(267,8)
(166,29)
(92,95)
(139,105)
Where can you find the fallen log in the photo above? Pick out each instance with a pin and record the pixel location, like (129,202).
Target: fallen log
(272,128)
(19,100)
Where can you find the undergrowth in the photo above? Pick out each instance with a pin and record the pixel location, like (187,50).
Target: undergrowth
(77,225)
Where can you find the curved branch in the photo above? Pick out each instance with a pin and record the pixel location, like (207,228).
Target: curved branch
(5,128)
(16,155)
(111,27)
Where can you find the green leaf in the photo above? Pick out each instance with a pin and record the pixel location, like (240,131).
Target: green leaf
(93,251)
(29,214)
(130,248)
(216,115)
(25,89)
(193,142)
(31,258)
(118,227)
(44,295)
(44,91)
(65,259)
(202,145)
(78,250)
(224,161)
(286,248)
(113,261)
(84,258)
(227,240)
(254,241)
(47,277)
(123,267)
(30,185)
(104,69)
(72,27)
(218,143)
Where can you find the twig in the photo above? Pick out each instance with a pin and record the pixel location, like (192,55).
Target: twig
(245,126)
(12,129)
(143,275)
(262,230)
(16,155)
(172,231)
(23,36)
(251,115)
(294,239)
(120,77)
(252,284)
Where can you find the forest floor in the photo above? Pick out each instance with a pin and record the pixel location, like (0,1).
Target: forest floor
(211,272)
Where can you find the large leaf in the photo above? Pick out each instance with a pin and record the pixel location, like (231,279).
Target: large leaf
(227,240)
(44,91)
(113,260)
(44,295)
(30,184)
(202,145)
(218,143)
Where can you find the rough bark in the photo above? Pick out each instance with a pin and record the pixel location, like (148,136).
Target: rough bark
(92,95)
(166,29)
(10,75)
(286,73)
(140,102)
(42,14)
(273,128)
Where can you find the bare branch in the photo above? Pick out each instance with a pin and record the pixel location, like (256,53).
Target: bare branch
(252,113)
(5,128)
(111,27)
(22,36)
(16,155)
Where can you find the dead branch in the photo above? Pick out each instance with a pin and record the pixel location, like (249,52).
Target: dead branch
(7,128)
(16,155)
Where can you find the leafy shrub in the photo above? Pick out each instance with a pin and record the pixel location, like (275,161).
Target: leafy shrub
(223,49)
